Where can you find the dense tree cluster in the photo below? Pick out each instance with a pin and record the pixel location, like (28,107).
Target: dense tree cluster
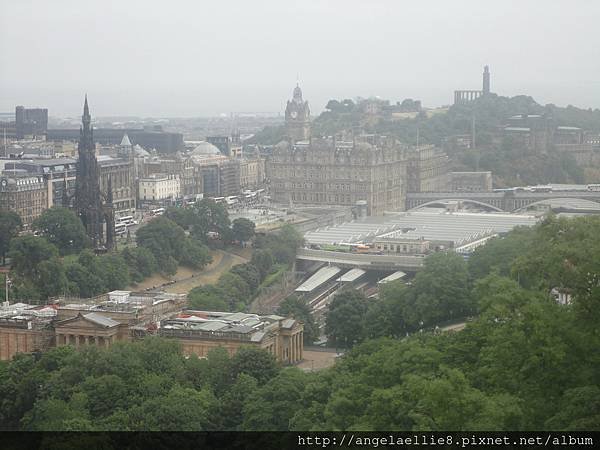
(63,228)
(10,224)
(38,272)
(235,289)
(439,293)
(145,385)
(523,362)
(203,218)
(58,260)
(170,245)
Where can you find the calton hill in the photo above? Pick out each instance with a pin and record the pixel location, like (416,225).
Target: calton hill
(510,162)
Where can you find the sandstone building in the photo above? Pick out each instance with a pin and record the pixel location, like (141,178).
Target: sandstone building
(369,169)
(124,316)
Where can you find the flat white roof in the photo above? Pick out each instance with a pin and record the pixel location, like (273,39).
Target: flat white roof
(321,276)
(432,226)
(351,275)
(395,276)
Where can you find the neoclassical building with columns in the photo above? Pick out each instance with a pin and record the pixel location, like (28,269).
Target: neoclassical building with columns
(124,316)
(201,331)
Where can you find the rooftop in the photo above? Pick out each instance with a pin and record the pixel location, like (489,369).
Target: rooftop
(432,226)
(321,276)
(223,325)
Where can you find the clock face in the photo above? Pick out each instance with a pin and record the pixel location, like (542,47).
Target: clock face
(294,114)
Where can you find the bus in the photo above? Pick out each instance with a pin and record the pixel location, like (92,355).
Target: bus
(158,211)
(593,187)
(120,229)
(127,220)
(541,189)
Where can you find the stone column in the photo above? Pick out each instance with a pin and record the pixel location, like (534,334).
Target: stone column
(293,345)
(295,348)
(106,341)
(87,340)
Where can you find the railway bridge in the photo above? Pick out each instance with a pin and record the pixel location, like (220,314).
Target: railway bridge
(508,201)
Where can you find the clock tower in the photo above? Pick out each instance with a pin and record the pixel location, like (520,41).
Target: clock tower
(297,117)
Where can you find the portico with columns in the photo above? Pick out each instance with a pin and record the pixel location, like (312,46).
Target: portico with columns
(87,329)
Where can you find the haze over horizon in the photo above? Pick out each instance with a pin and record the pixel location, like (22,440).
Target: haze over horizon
(185,59)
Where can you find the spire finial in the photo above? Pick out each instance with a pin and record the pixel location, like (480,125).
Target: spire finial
(86,109)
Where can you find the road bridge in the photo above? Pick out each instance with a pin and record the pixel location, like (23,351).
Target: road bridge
(363,261)
(508,201)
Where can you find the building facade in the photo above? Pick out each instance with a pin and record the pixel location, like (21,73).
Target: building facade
(370,169)
(120,173)
(124,316)
(24,194)
(59,175)
(297,117)
(163,141)
(159,187)
(471,181)
(30,122)
(190,176)
(252,173)
(427,169)
(201,331)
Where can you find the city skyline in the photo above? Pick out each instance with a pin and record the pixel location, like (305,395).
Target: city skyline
(204,60)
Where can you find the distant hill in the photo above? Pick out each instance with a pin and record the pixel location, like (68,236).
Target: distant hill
(511,166)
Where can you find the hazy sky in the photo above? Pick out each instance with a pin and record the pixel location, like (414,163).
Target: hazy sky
(197,58)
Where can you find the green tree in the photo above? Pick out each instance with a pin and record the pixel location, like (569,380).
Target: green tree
(256,362)
(263,260)
(439,292)
(10,224)
(104,394)
(63,228)
(184,217)
(195,254)
(52,280)
(579,410)
(243,229)
(182,409)
(51,414)
(141,262)
(208,298)
(27,252)
(344,321)
(236,290)
(231,411)
(249,273)
(210,216)
(272,406)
